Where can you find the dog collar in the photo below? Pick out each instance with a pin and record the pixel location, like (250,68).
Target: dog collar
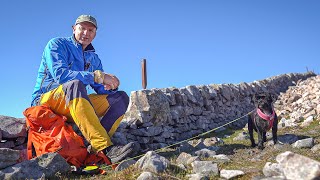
(266,117)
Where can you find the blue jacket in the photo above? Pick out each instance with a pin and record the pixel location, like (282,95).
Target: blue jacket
(63,60)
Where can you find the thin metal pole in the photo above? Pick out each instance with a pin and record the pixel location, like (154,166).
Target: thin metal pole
(144,73)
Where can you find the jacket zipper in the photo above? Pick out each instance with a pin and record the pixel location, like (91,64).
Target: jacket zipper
(85,62)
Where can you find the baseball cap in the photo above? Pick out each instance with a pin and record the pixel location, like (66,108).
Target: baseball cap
(87,18)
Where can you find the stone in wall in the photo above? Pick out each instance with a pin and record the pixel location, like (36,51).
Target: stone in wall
(12,127)
(148,106)
(13,132)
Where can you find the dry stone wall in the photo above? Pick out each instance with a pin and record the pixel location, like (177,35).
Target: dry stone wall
(160,117)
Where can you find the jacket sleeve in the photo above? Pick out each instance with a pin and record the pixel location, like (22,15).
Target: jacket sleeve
(56,57)
(99,88)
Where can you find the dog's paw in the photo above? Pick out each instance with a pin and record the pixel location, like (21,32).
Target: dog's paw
(279,142)
(278,146)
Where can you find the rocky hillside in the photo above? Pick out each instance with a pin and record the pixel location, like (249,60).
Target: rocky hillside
(300,103)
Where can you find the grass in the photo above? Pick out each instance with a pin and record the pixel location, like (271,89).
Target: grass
(243,157)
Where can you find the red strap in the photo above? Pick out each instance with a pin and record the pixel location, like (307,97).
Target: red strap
(266,117)
(102,172)
(106,160)
(29,146)
(74,161)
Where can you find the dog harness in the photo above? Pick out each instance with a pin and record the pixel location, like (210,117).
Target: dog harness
(266,117)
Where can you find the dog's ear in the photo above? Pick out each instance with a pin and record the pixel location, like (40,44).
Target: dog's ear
(254,99)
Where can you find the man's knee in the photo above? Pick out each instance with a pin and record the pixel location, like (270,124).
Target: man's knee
(120,98)
(124,97)
(74,89)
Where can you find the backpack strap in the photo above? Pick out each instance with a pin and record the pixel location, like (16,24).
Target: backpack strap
(29,146)
(74,161)
(106,159)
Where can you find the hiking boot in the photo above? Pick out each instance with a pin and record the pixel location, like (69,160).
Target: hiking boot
(119,153)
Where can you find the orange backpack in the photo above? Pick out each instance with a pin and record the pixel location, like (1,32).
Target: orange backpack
(49,132)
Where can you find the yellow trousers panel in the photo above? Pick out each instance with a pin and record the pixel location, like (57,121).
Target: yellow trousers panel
(85,114)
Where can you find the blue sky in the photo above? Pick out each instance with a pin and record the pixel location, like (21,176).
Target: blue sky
(185,42)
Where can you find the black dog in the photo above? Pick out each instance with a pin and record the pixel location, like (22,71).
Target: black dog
(263,119)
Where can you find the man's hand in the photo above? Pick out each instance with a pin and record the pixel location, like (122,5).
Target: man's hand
(110,82)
